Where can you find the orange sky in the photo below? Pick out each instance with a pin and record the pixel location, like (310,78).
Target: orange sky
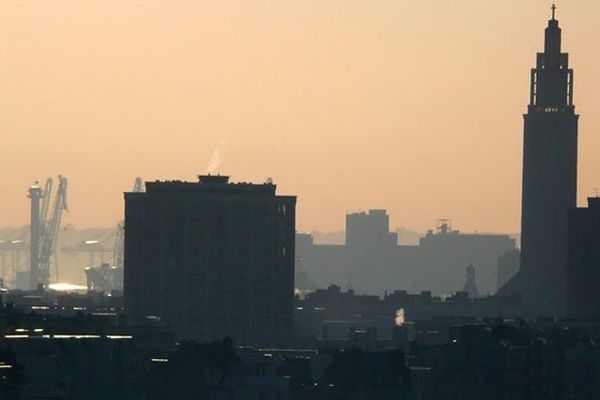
(413,106)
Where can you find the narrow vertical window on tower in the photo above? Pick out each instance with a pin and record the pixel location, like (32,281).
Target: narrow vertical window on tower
(570,88)
(533,90)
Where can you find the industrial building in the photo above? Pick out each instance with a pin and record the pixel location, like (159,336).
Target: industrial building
(372,262)
(211,258)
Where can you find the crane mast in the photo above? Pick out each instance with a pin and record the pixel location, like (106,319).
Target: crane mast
(46,194)
(35,194)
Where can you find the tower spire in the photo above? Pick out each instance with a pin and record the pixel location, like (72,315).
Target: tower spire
(553,34)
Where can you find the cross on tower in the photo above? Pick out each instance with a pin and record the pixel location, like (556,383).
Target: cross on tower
(553,11)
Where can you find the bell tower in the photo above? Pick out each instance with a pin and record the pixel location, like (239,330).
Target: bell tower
(549,177)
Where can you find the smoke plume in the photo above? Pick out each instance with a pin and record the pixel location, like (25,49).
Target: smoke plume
(215,158)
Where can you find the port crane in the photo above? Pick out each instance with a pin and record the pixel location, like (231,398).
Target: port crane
(108,277)
(14,255)
(50,226)
(46,194)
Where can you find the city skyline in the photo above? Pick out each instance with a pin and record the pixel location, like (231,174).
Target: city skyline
(307,200)
(348,110)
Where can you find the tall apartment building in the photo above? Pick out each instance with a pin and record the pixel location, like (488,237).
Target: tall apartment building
(211,258)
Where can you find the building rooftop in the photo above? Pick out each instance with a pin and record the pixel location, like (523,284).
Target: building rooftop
(594,202)
(210,184)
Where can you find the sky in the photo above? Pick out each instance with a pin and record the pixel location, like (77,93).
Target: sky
(412,106)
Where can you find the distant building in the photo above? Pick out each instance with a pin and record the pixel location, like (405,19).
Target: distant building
(583,279)
(372,262)
(443,255)
(470,284)
(211,258)
(369,229)
(304,241)
(508,266)
(331,313)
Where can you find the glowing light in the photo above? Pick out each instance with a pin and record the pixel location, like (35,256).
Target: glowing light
(61,336)
(67,287)
(400,317)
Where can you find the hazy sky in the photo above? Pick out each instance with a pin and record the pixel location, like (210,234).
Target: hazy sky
(413,106)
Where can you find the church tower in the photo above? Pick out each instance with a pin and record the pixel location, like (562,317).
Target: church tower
(549,178)
(470,285)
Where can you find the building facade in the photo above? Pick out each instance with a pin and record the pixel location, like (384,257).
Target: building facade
(369,229)
(210,259)
(583,295)
(508,266)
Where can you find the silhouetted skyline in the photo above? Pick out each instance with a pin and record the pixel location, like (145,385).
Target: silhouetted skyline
(410,106)
(210,291)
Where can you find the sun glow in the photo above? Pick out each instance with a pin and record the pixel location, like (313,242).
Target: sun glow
(67,287)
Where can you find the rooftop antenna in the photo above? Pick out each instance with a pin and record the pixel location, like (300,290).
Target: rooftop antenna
(553,10)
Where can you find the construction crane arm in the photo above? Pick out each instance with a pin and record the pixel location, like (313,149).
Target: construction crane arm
(52,229)
(119,246)
(46,202)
